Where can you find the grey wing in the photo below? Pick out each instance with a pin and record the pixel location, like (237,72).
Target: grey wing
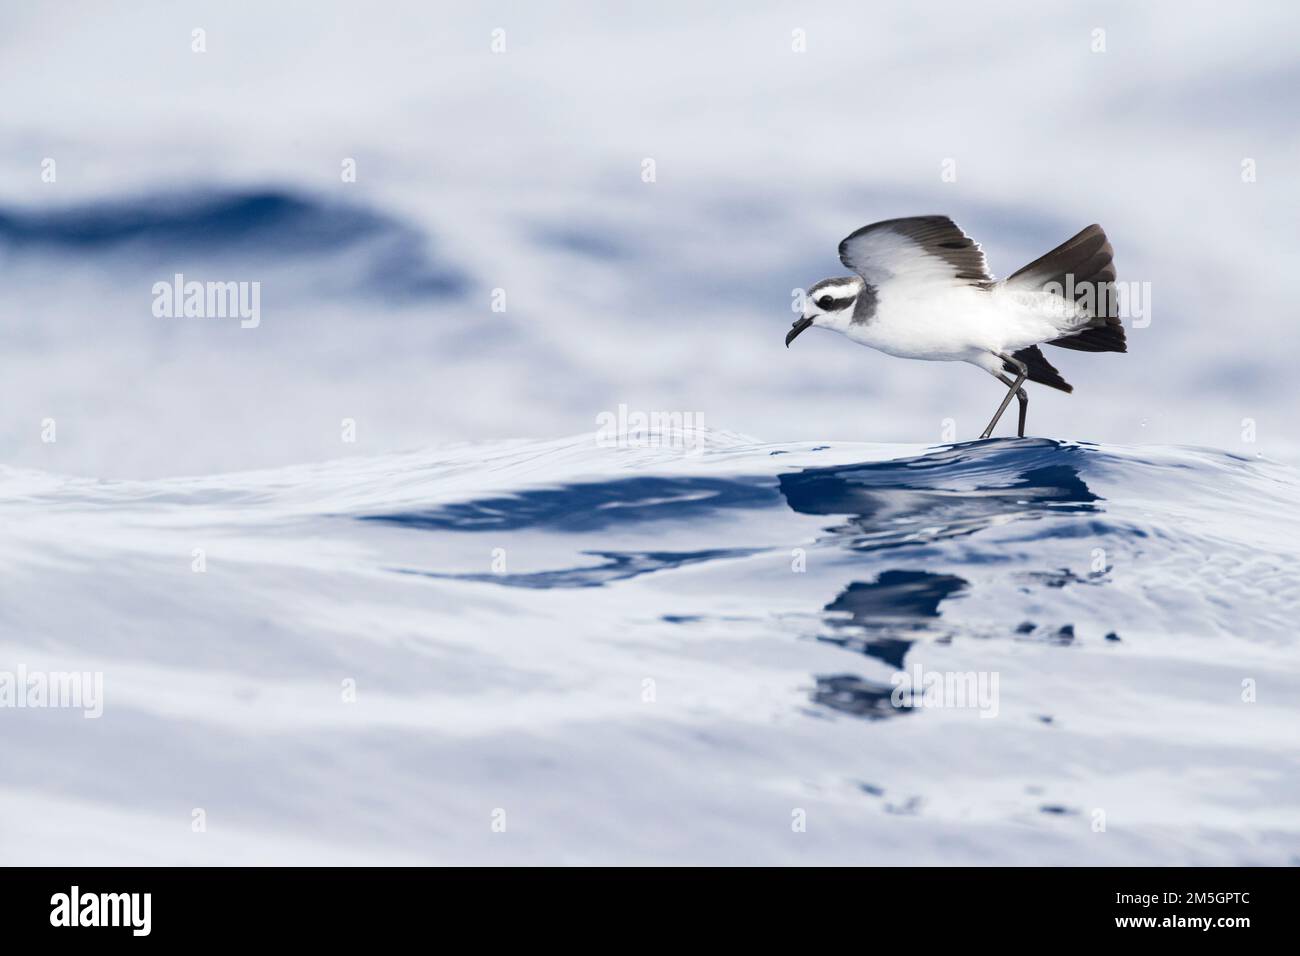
(920,248)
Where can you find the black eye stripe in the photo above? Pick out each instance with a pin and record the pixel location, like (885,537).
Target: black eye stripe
(830,302)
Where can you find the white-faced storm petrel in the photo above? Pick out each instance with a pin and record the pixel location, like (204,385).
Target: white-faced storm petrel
(923,291)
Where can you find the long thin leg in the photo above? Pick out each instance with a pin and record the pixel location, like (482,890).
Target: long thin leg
(1015,387)
(1023,399)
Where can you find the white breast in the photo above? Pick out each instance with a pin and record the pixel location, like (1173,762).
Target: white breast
(957,324)
(946,325)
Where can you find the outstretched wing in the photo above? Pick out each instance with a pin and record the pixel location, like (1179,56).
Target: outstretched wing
(929,250)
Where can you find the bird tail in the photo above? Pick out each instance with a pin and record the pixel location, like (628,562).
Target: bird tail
(1082,267)
(1040,370)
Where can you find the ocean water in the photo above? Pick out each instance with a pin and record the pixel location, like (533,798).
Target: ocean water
(498,267)
(683,650)
(350,597)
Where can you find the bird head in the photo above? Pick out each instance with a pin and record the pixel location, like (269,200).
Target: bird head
(828,304)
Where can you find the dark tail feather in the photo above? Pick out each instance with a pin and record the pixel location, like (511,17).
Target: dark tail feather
(1086,256)
(1084,263)
(1099,338)
(1040,370)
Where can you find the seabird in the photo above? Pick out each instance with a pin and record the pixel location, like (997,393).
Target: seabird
(923,290)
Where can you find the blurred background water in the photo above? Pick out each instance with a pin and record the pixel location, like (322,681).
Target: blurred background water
(517,177)
(522,171)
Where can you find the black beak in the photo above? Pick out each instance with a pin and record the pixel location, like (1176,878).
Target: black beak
(799,326)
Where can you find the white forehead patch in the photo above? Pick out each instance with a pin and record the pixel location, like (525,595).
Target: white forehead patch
(843,292)
(836,290)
